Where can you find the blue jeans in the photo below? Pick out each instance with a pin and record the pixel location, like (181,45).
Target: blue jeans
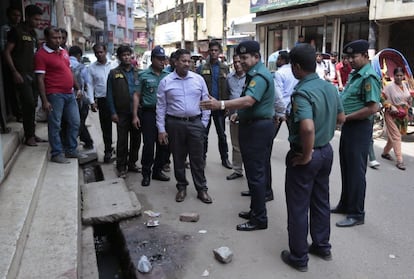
(64,106)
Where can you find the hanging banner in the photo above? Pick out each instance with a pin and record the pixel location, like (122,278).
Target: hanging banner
(267,5)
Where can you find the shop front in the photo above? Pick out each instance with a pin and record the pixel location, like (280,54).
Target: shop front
(327,25)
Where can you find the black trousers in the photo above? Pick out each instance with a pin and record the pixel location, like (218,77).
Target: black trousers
(220,124)
(187,138)
(124,156)
(27,98)
(84,134)
(150,141)
(255,141)
(353,154)
(106,123)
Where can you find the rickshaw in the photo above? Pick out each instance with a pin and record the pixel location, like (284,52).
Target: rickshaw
(384,63)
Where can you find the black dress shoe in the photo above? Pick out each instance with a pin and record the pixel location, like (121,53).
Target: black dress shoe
(226,163)
(323,254)
(349,222)
(145,181)
(204,197)
(160,176)
(134,168)
(245,193)
(180,195)
(285,255)
(338,210)
(249,226)
(269,198)
(234,175)
(245,215)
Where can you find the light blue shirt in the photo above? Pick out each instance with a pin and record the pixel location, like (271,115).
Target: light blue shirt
(181,97)
(285,81)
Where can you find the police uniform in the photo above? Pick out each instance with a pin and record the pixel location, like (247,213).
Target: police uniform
(363,87)
(307,186)
(256,131)
(147,88)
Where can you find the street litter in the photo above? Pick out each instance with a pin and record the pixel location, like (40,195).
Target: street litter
(153,223)
(144,264)
(223,254)
(392,256)
(205,273)
(151,213)
(202,231)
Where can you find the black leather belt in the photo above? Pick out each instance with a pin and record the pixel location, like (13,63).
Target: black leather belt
(250,121)
(148,108)
(190,118)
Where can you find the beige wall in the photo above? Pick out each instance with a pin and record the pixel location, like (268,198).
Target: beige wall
(388,10)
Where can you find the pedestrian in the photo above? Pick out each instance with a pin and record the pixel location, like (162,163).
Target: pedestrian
(360,99)
(121,86)
(235,83)
(19,54)
(182,124)
(397,101)
(343,69)
(98,75)
(256,130)
(285,81)
(146,100)
(331,69)
(316,110)
(215,73)
(56,86)
(321,68)
(84,100)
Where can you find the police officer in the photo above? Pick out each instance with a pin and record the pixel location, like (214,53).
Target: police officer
(360,99)
(316,109)
(256,130)
(146,99)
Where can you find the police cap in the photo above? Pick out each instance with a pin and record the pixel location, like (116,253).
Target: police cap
(158,51)
(358,46)
(248,47)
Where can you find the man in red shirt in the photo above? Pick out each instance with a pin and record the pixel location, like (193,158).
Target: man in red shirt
(343,69)
(56,83)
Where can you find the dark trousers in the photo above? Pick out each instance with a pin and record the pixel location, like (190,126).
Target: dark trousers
(307,188)
(125,129)
(27,99)
(106,123)
(220,124)
(255,141)
(353,154)
(12,100)
(187,138)
(150,140)
(84,134)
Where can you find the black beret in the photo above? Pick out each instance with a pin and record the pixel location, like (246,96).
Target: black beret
(358,46)
(248,47)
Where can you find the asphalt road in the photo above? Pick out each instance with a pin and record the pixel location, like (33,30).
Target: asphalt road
(381,248)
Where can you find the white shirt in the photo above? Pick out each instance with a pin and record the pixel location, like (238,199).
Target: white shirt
(98,75)
(285,81)
(321,69)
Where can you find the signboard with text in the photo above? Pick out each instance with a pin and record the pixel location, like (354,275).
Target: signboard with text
(267,5)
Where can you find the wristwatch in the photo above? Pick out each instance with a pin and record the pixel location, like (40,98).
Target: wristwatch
(222,107)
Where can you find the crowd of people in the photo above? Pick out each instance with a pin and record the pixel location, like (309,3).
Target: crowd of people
(171,107)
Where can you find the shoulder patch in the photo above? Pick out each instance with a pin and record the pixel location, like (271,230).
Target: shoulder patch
(252,83)
(367,86)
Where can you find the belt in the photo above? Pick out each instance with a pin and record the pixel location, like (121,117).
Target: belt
(148,108)
(190,118)
(298,149)
(250,121)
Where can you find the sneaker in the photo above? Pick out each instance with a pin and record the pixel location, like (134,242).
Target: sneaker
(373,164)
(60,159)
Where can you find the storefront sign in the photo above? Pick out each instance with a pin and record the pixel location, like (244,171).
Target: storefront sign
(267,5)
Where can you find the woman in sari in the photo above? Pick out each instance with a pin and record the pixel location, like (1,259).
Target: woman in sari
(397,101)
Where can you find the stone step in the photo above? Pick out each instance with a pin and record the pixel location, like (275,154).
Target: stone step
(53,246)
(19,193)
(10,144)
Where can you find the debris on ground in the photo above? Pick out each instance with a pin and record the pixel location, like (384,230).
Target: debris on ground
(144,265)
(223,254)
(189,217)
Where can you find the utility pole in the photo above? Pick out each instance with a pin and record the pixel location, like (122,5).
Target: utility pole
(195,26)
(182,24)
(224,37)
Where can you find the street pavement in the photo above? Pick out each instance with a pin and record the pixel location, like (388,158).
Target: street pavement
(381,248)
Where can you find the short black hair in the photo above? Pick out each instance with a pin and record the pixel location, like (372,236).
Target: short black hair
(98,45)
(32,10)
(180,52)
(214,43)
(398,70)
(50,28)
(12,8)
(75,50)
(283,54)
(63,31)
(122,49)
(305,56)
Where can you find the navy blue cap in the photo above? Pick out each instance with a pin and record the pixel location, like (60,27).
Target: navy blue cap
(358,46)
(158,51)
(248,47)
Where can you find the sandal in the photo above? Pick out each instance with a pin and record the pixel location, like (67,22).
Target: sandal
(387,157)
(401,166)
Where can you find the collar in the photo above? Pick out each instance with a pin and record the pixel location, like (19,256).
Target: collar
(49,50)
(306,79)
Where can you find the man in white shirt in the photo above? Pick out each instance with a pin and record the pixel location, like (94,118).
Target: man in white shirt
(321,69)
(98,75)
